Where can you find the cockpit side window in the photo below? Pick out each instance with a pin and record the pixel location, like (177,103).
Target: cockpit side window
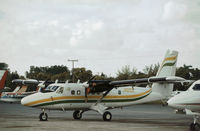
(196,87)
(60,90)
(50,89)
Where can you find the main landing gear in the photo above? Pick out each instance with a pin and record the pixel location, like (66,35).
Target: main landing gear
(43,116)
(107,116)
(77,114)
(195,126)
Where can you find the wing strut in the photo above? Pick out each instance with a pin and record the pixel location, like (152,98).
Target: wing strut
(101,98)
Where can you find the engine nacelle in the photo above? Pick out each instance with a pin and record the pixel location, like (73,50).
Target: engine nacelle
(99,86)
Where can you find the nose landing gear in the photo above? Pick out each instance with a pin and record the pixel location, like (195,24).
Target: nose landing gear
(77,114)
(43,116)
(195,126)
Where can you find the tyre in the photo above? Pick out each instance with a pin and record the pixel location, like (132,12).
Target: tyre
(194,127)
(43,116)
(77,115)
(107,116)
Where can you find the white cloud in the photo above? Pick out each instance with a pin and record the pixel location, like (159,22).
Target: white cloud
(103,35)
(174,11)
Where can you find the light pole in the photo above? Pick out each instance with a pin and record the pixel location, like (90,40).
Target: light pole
(72,68)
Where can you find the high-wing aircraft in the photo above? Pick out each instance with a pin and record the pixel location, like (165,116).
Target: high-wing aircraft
(102,95)
(19,92)
(16,95)
(188,102)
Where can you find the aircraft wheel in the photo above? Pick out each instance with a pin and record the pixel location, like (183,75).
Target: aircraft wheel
(43,116)
(77,115)
(107,116)
(194,127)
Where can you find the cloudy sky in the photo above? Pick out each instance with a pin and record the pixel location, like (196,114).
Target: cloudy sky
(103,35)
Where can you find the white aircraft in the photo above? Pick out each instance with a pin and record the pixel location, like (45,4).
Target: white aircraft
(188,102)
(102,95)
(19,92)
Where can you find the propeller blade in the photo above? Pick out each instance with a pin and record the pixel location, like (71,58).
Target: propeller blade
(91,79)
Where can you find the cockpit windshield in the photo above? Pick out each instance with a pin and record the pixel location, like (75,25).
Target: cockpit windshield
(50,89)
(196,87)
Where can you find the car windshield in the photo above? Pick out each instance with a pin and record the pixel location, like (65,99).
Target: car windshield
(50,89)
(196,87)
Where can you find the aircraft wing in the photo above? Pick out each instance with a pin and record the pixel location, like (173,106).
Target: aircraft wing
(161,80)
(106,85)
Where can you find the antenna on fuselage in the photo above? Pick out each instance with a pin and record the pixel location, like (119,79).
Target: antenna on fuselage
(67,81)
(56,81)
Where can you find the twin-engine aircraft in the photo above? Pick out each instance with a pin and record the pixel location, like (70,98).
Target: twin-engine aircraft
(188,102)
(102,95)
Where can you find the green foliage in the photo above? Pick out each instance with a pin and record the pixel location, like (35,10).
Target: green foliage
(103,76)
(62,73)
(126,73)
(10,77)
(187,72)
(3,66)
(82,74)
(151,70)
(61,77)
(52,72)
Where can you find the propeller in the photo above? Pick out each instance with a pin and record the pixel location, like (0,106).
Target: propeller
(87,88)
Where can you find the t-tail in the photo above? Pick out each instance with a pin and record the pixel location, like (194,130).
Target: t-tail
(166,69)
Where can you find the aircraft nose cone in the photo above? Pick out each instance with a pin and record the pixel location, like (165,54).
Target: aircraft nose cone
(24,101)
(171,103)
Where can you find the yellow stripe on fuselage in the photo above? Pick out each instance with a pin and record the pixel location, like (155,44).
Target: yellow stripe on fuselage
(83,97)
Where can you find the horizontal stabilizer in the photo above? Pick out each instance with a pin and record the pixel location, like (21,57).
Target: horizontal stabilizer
(189,112)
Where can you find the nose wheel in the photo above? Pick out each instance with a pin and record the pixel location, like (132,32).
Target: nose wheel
(43,116)
(195,126)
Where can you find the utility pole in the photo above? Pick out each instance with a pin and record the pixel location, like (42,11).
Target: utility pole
(72,68)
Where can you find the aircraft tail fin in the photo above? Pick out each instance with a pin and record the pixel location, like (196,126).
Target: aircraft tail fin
(16,89)
(3,75)
(23,89)
(166,69)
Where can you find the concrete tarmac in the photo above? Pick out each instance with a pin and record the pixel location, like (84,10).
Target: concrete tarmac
(147,117)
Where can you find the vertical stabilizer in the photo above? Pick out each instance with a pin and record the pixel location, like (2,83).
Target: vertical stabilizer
(16,89)
(23,89)
(167,68)
(3,75)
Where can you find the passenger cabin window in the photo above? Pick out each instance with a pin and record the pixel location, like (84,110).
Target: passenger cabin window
(50,89)
(78,92)
(119,92)
(196,87)
(60,90)
(73,92)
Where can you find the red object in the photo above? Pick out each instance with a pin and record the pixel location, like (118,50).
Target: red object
(3,79)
